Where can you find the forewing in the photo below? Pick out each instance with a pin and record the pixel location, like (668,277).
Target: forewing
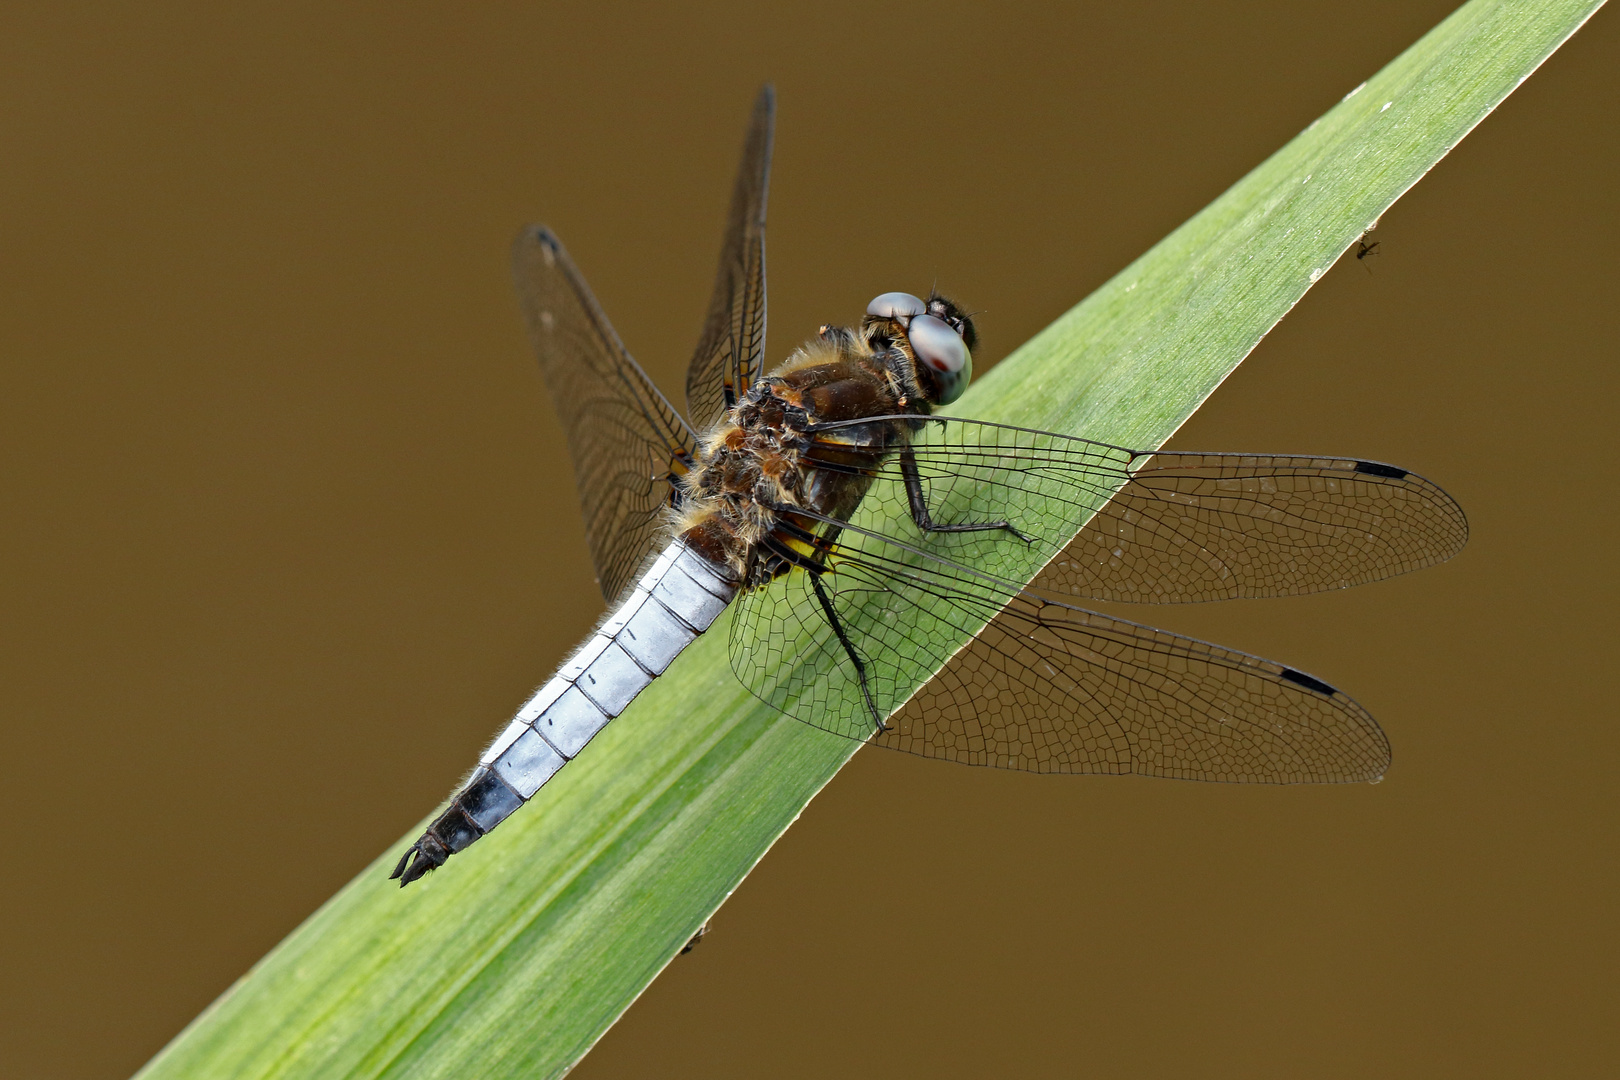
(731,352)
(1190,527)
(1043,687)
(1172,527)
(628,443)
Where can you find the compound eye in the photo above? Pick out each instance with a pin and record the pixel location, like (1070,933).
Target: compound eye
(896,305)
(941,349)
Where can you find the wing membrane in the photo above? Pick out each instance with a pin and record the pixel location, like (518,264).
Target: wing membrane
(627,442)
(1051,688)
(1041,686)
(1045,686)
(1191,527)
(731,352)
(1171,527)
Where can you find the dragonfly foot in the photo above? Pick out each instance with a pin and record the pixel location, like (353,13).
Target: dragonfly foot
(696,938)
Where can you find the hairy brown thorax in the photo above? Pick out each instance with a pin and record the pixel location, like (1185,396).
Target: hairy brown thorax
(767,458)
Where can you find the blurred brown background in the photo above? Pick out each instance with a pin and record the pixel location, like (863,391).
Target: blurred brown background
(287,532)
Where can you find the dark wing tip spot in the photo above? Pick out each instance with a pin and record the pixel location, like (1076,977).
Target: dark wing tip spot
(1299,678)
(1373,468)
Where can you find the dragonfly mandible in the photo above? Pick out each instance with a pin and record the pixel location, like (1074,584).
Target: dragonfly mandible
(862,539)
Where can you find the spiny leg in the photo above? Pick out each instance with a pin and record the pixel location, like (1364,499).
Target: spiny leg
(849,648)
(919,506)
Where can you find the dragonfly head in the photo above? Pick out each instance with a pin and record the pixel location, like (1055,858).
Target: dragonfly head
(940,337)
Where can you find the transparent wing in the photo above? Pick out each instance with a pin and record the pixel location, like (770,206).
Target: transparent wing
(1190,527)
(1170,527)
(628,443)
(1043,687)
(731,352)
(1051,688)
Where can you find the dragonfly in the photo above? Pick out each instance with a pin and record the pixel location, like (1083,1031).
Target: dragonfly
(862,538)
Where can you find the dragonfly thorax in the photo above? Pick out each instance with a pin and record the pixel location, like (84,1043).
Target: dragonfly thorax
(768,458)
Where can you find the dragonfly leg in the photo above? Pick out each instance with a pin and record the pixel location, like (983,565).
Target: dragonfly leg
(919,506)
(849,648)
(696,939)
